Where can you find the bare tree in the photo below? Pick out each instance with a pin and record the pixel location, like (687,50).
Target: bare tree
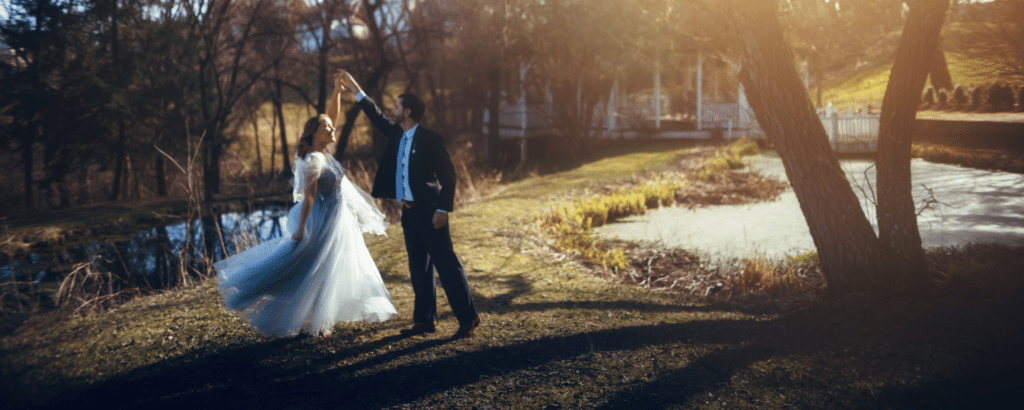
(847,246)
(852,257)
(897,216)
(228,68)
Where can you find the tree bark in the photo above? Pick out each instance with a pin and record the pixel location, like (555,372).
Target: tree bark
(286,165)
(897,217)
(273,141)
(211,172)
(256,140)
(26,161)
(346,131)
(119,161)
(161,177)
(494,122)
(939,71)
(847,246)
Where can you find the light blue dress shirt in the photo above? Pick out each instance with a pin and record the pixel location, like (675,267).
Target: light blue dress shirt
(402,190)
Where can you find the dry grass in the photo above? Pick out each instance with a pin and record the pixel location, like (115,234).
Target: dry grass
(554,336)
(703,177)
(988,159)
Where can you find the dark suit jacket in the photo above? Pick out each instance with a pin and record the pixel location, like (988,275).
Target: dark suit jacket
(431,173)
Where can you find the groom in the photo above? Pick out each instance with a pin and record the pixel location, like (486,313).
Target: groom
(417,171)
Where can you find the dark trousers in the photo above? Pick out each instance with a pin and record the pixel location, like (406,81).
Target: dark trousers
(431,249)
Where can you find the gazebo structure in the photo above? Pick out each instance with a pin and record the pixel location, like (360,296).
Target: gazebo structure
(647,114)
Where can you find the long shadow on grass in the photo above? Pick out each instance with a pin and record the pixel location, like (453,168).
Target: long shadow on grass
(968,358)
(242,376)
(241,382)
(233,376)
(518,286)
(372,375)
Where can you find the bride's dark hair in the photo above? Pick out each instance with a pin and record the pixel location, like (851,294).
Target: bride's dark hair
(305,144)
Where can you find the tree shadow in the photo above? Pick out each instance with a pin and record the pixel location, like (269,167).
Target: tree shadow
(290,373)
(238,377)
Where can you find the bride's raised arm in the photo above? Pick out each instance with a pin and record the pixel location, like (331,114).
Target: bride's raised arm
(334,104)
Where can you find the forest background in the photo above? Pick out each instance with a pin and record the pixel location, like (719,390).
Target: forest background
(94,90)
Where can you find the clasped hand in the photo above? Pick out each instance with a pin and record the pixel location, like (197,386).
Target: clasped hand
(344,82)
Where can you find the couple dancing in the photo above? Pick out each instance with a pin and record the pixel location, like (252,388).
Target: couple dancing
(323,274)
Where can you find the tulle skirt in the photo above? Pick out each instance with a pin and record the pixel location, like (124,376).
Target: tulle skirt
(283,287)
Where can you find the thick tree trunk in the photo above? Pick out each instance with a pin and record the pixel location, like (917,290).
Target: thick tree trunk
(256,141)
(939,71)
(26,162)
(119,162)
(161,177)
(346,131)
(897,217)
(211,162)
(321,78)
(84,191)
(494,121)
(847,246)
(273,142)
(286,165)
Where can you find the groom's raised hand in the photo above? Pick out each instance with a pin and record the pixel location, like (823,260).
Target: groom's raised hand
(347,83)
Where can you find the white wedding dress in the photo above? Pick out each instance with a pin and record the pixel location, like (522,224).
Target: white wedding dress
(284,287)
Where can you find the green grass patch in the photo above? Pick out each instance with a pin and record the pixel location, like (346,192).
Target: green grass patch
(867,87)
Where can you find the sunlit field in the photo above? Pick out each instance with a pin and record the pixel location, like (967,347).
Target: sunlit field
(867,87)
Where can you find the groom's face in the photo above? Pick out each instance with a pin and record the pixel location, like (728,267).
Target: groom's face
(398,113)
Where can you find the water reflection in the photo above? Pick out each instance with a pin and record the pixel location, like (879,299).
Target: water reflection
(153,256)
(956,206)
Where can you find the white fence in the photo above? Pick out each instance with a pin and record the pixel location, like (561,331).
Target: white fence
(851,132)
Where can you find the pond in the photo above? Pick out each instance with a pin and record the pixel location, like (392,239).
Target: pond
(154,252)
(956,206)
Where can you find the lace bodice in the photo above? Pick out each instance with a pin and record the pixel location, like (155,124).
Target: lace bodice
(324,169)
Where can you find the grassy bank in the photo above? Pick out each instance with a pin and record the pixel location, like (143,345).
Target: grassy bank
(867,87)
(988,159)
(553,336)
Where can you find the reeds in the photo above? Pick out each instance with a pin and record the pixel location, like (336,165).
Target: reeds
(570,223)
(783,280)
(87,289)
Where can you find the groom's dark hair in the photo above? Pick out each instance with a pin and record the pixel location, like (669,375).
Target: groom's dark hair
(414,104)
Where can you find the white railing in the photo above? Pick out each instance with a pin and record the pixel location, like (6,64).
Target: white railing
(848,132)
(851,131)
(719,115)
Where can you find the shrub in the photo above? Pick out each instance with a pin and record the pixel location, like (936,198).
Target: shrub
(959,98)
(977,98)
(942,99)
(929,97)
(1000,98)
(1020,98)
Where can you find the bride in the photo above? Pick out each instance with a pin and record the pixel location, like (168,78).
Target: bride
(322,273)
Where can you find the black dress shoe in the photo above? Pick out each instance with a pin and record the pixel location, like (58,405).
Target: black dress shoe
(466,329)
(419,329)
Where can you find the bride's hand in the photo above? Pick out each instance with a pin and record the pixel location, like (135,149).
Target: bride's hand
(347,83)
(297,237)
